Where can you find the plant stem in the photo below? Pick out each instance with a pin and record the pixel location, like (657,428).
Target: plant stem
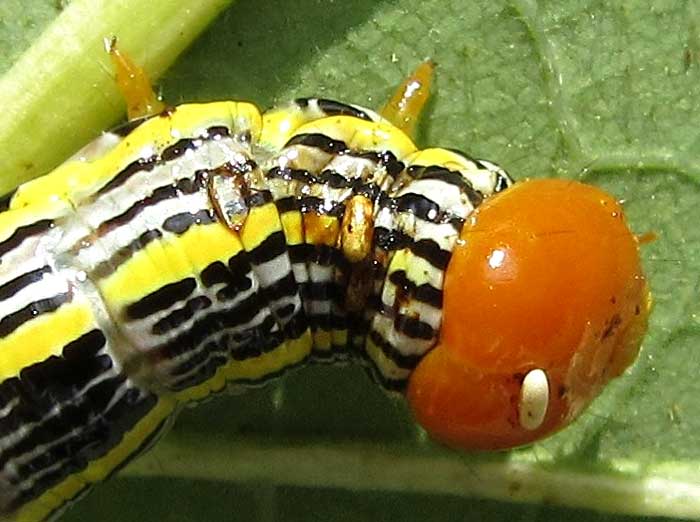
(61,93)
(670,491)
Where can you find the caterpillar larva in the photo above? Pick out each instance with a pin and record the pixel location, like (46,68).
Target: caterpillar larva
(212,244)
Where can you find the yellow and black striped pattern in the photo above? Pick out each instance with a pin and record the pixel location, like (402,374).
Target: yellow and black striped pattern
(211,245)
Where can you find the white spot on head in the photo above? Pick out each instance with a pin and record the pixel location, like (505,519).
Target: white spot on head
(496,258)
(534,399)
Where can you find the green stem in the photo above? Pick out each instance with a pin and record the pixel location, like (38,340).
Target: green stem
(670,490)
(61,91)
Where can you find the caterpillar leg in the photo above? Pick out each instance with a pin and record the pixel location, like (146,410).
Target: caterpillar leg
(134,84)
(405,106)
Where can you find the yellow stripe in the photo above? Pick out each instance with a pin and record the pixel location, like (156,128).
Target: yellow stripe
(168,260)
(361,134)
(11,220)
(321,229)
(293,229)
(279,125)
(44,336)
(417,269)
(74,180)
(322,340)
(386,366)
(98,469)
(435,156)
(340,337)
(286,354)
(261,222)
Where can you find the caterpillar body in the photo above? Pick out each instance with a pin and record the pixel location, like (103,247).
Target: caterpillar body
(213,245)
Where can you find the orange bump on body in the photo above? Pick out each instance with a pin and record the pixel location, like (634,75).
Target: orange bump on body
(546,276)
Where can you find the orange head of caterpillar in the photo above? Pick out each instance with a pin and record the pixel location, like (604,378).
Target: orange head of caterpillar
(544,303)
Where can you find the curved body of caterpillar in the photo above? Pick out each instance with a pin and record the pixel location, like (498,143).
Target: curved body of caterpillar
(212,245)
(125,291)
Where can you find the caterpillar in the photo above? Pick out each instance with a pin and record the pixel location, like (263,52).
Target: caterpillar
(210,246)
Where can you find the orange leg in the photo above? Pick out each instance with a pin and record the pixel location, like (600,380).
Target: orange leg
(133,82)
(405,106)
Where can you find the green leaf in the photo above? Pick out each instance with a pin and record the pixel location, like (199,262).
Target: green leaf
(600,91)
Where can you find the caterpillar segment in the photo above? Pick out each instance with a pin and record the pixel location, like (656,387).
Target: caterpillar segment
(210,246)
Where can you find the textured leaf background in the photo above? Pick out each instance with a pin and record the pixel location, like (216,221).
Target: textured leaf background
(600,91)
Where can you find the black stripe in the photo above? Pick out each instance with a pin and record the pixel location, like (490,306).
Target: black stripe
(11,322)
(258,198)
(328,322)
(44,381)
(424,292)
(215,321)
(162,299)
(300,253)
(58,379)
(55,381)
(390,240)
(139,165)
(22,233)
(414,328)
(253,343)
(158,195)
(170,191)
(90,441)
(169,153)
(287,204)
(121,417)
(179,148)
(239,265)
(256,341)
(334,108)
(121,256)
(331,178)
(318,205)
(419,205)
(384,158)
(238,276)
(288,174)
(319,141)
(324,255)
(216,132)
(87,345)
(179,316)
(435,172)
(231,291)
(286,311)
(403,361)
(18,283)
(181,223)
(323,291)
(283,287)
(391,385)
(430,251)
(215,273)
(502,183)
(271,247)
